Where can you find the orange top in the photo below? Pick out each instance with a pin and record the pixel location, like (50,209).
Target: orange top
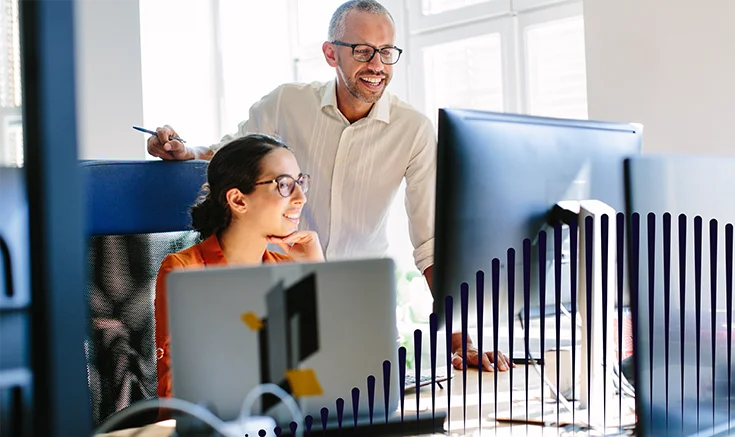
(207,253)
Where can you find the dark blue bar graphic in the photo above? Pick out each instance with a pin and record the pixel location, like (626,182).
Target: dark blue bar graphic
(542,303)
(667,302)
(527,306)
(496,330)
(417,367)
(573,248)
(589,238)
(605,258)
(308,422)
(620,237)
(277,431)
(634,259)
(371,398)
(713,296)
(511,311)
(340,404)
(729,310)
(448,308)
(464,298)
(355,406)
(682,300)
(293,426)
(325,418)
(651,283)
(698,300)
(402,376)
(386,387)
(557,297)
(480,300)
(433,328)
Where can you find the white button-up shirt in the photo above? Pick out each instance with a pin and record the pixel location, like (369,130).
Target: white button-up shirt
(356,169)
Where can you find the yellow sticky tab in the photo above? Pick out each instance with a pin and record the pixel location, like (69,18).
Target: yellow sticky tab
(303,382)
(252,321)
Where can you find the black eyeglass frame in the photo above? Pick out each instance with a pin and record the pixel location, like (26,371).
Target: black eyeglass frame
(298,180)
(375,50)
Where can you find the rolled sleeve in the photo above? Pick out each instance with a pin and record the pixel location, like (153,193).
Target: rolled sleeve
(421,197)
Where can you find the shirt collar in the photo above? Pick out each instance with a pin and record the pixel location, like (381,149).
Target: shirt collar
(212,252)
(380,110)
(213,256)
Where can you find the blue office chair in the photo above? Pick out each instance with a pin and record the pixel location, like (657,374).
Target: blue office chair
(137,213)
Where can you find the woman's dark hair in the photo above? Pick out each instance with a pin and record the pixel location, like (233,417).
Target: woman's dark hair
(234,165)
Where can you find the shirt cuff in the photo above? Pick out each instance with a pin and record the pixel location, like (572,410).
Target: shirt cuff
(424,255)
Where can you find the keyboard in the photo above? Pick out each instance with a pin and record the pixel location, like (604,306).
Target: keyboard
(423,380)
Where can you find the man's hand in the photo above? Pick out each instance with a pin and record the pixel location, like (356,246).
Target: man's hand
(300,246)
(429,275)
(162,145)
(488,358)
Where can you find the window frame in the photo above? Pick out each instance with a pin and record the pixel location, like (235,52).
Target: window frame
(528,19)
(9,116)
(419,23)
(508,17)
(500,25)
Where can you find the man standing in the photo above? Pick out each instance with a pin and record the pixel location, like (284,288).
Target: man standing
(357,141)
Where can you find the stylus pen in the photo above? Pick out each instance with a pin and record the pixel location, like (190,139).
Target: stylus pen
(154,133)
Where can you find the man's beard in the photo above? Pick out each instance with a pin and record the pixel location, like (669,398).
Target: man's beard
(354,88)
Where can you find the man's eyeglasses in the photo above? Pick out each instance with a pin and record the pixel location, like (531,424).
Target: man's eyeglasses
(286,184)
(366,52)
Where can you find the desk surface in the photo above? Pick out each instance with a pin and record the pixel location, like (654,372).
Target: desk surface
(468,417)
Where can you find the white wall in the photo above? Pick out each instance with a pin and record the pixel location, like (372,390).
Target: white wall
(109,88)
(669,64)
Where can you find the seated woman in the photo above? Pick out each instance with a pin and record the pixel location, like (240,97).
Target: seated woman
(254,196)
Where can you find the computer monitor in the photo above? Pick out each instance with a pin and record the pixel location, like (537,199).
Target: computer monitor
(687,387)
(498,177)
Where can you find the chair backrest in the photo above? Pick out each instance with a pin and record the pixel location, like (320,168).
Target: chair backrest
(137,213)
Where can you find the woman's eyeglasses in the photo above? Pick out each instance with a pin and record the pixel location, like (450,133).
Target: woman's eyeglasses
(286,184)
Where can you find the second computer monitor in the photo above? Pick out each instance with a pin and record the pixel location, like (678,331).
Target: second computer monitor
(498,177)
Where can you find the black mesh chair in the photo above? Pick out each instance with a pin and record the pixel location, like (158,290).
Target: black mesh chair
(137,213)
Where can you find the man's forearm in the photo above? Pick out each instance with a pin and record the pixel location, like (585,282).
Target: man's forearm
(456,336)
(429,275)
(457,342)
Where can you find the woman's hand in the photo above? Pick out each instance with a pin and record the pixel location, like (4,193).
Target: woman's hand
(301,246)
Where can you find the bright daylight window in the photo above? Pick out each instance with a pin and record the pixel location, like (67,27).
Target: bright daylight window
(429,7)
(177,73)
(557,79)
(464,74)
(313,19)
(11,126)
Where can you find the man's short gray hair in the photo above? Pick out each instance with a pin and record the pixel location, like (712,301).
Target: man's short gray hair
(337,23)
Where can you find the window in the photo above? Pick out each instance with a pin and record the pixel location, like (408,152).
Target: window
(313,69)
(429,7)
(466,73)
(11,126)
(178,73)
(522,56)
(202,75)
(557,80)
(313,20)
(255,59)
